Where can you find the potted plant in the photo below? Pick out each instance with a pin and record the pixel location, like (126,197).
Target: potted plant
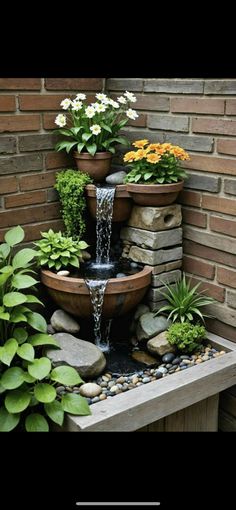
(155,177)
(93,130)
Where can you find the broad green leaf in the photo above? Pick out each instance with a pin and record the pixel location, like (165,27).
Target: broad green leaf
(35,422)
(17,401)
(69,146)
(42,339)
(12,378)
(66,375)
(33,299)
(45,393)
(28,378)
(91,148)
(75,404)
(6,269)
(37,322)
(82,245)
(106,127)
(17,316)
(13,299)
(3,278)
(4,316)
(1,389)
(14,236)
(26,351)
(8,351)
(39,368)
(33,401)
(86,136)
(23,257)
(8,421)
(22,281)
(20,334)
(55,412)
(76,130)
(80,146)
(4,250)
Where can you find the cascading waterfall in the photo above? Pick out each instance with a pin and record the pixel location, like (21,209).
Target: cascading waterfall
(97,287)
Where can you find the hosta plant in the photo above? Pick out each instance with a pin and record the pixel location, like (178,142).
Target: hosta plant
(184,303)
(57,251)
(186,336)
(28,396)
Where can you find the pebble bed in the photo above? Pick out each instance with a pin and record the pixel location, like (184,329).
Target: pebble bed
(109,385)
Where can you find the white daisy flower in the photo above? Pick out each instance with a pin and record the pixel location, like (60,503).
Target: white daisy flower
(80,97)
(114,104)
(130,96)
(76,105)
(122,100)
(90,112)
(132,114)
(66,103)
(100,107)
(101,97)
(60,120)
(96,129)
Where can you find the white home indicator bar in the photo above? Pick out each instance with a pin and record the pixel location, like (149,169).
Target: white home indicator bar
(118,503)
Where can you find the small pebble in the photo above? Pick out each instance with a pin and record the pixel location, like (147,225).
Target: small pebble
(114,388)
(146,380)
(176,361)
(159,374)
(60,389)
(95,399)
(102,396)
(63,273)
(162,369)
(120,275)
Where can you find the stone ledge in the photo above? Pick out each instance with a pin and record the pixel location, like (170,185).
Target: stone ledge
(153,240)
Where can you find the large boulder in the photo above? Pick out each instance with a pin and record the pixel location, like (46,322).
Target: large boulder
(62,321)
(84,356)
(149,326)
(160,345)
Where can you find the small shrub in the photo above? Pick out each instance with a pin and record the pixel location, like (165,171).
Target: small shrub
(57,251)
(186,336)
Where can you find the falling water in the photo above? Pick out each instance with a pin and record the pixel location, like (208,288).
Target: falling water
(105,199)
(97,290)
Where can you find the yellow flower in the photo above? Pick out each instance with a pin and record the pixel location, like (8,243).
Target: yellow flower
(139,144)
(153,158)
(129,156)
(140,154)
(179,152)
(154,146)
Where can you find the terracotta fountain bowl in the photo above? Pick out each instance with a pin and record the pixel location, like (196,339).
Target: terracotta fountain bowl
(122,202)
(121,294)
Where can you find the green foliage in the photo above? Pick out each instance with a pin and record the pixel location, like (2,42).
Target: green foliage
(184,302)
(70,185)
(57,251)
(186,336)
(161,175)
(27,381)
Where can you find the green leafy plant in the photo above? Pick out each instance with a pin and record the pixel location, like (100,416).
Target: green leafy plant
(186,336)
(57,251)
(184,302)
(155,163)
(70,185)
(28,396)
(94,127)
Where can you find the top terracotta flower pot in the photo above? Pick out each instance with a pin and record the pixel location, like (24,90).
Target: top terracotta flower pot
(96,166)
(154,194)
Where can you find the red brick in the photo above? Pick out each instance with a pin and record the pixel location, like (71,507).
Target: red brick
(58,160)
(23,199)
(30,214)
(224,205)
(221,329)
(190,198)
(196,218)
(20,83)
(225,146)
(32,182)
(217,126)
(222,225)
(7,103)
(197,105)
(200,250)
(226,277)
(74,84)
(198,267)
(41,102)
(211,164)
(210,289)
(11,123)
(8,185)
(152,102)
(32,232)
(230,107)
(141,121)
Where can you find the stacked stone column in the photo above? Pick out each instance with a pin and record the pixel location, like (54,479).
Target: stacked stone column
(153,236)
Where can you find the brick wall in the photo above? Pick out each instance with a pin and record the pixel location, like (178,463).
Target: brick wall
(199,115)
(28,161)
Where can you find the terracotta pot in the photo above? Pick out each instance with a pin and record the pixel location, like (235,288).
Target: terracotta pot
(122,202)
(96,166)
(121,294)
(154,194)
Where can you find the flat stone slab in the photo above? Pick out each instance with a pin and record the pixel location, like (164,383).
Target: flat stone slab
(156,305)
(156,218)
(80,354)
(154,257)
(163,268)
(160,345)
(156,294)
(154,240)
(169,277)
(62,321)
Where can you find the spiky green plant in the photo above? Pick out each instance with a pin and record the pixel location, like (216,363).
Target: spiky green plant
(184,302)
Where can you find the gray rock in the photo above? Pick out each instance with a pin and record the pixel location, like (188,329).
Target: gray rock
(116,178)
(168,358)
(160,345)
(158,374)
(140,310)
(149,326)
(62,321)
(84,356)
(90,390)
(50,330)
(120,275)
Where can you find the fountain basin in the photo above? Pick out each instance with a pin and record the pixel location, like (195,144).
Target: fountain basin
(122,202)
(121,294)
